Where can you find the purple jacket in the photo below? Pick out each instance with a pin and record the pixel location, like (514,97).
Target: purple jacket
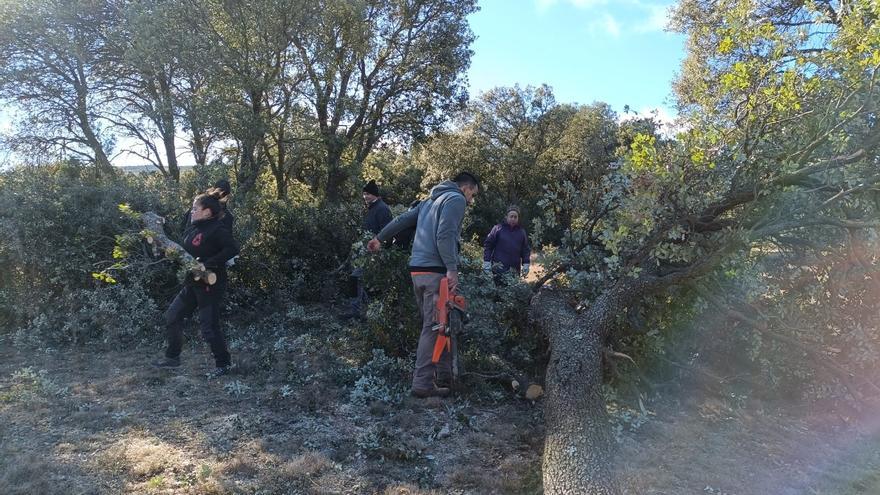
(507,245)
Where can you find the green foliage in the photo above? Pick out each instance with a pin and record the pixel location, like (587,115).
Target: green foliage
(382,379)
(299,249)
(28,382)
(58,226)
(499,325)
(522,143)
(393,322)
(113,313)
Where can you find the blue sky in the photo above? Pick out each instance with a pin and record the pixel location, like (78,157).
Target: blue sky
(614,51)
(586,50)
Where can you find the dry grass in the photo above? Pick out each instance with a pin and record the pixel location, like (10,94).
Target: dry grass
(306,466)
(27,473)
(143,457)
(124,428)
(406,490)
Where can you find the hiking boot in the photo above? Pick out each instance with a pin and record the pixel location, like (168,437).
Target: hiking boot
(167,362)
(443,381)
(218,372)
(430,392)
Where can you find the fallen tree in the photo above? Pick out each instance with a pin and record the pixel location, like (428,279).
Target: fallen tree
(780,156)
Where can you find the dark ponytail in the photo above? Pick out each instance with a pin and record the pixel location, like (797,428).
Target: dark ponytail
(214,200)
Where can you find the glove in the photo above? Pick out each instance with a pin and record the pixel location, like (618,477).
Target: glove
(374,245)
(231,261)
(525,269)
(487,266)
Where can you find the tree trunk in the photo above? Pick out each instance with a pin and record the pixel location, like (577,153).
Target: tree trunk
(167,126)
(578,449)
(199,145)
(248,171)
(336,176)
(102,163)
(251,166)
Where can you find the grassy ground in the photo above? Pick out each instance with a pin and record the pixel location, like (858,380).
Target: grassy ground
(99,420)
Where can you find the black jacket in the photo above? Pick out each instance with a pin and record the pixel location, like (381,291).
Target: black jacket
(211,242)
(378,216)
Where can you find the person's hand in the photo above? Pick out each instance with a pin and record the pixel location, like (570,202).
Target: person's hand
(452,276)
(374,245)
(525,270)
(487,266)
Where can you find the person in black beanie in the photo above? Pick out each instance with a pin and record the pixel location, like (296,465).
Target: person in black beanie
(377,217)
(208,240)
(378,213)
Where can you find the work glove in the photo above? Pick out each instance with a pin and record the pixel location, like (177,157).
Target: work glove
(525,269)
(487,266)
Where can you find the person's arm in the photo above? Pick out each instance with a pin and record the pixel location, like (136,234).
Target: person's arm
(489,247)
(449,230)
(228,219)
(490,243)
(403,221)
(184,222)
(229,250)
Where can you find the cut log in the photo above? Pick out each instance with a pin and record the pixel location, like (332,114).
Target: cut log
(154,234)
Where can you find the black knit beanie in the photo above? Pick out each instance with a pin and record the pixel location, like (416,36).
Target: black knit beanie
(372,188)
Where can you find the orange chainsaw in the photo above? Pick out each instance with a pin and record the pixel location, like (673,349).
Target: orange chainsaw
(451,317)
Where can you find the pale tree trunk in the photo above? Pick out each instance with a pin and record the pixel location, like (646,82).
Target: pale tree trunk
(578,449)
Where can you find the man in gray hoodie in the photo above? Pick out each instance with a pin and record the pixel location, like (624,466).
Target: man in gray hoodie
(434,255)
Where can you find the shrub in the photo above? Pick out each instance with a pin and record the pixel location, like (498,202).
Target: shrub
(58,226)
(298,248)
(381,379)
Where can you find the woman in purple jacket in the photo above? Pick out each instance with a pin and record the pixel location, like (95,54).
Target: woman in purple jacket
(507,246)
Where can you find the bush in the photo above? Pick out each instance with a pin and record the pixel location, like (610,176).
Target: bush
(117,313)
(382,379)
(57,226)
(300,249)
(393,322)
(499,313)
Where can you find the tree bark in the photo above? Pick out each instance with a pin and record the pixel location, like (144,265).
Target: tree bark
(578,449)
(154,234)
(167,126)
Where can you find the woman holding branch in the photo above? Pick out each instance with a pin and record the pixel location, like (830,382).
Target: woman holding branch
(208,239)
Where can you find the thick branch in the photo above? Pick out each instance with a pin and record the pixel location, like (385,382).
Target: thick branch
(154,233)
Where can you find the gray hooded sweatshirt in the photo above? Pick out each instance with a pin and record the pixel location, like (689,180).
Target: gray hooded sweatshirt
(438,228)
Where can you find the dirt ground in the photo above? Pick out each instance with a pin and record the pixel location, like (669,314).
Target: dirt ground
(98,419)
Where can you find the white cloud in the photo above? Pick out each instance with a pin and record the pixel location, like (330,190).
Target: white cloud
(543,5)
(607,24)
(611,25)
(658,18)
(636,16)
(587,4)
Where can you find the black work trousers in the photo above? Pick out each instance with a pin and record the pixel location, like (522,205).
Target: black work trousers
(209,300)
